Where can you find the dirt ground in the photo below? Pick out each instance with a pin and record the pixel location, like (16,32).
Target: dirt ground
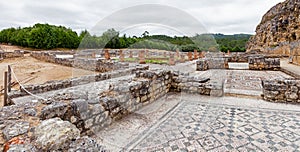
(29,70)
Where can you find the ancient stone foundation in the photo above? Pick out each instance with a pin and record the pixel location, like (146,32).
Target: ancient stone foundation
(15,54)
(201,65)
(211,63)
(256,62)
(99,65)
(281,90)
(60,84)
(262,63)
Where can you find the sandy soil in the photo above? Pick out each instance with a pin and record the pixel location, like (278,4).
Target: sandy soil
(32,71)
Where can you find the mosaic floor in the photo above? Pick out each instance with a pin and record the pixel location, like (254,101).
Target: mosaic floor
(196,126)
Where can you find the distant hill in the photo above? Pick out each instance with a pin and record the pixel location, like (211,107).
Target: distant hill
(235,43)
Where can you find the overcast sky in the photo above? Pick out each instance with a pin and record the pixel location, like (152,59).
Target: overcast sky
(216,16)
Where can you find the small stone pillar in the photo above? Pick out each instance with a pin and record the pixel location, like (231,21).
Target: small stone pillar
(130,54)
(182,58)
(142,57)
(195,54)
(177,53)
(93,54)
(121,56)
(172,59)
(190,56)
(201,55)
(147,53)
(165,54)
(228,52)
(106,55)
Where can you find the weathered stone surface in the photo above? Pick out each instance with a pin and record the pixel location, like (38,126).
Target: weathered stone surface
(85,144)
(279,32)
(55,134)
(22,148)
(15,129)
(201,65)
(56,109)
(281,90)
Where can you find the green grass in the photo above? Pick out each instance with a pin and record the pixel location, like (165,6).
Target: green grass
(157,61)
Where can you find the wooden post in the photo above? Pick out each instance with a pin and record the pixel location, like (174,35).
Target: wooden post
(9,79)
(5,89)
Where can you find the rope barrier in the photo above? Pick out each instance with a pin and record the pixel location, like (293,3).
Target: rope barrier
(22,87)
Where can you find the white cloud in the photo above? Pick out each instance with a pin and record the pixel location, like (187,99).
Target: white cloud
(217,16)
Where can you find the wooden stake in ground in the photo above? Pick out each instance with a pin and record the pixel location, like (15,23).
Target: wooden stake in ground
(106,55)
(5,89)
(9,79)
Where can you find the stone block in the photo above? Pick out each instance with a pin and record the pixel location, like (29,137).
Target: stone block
(55,134)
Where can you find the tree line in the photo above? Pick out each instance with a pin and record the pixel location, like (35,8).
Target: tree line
(45,36)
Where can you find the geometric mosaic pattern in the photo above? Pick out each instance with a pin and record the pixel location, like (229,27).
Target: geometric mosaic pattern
(243,81)
(196,126)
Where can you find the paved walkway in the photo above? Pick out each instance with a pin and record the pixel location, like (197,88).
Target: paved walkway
(201,123)
(292,68)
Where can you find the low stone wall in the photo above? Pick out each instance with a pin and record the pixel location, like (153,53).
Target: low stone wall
(90,115)
(201,65)
(212,63)
(281,90)
(86,114)
(15,54)
(203,86)
(60,84)
(100,65)
(238,57)
(255,62)
(262,63)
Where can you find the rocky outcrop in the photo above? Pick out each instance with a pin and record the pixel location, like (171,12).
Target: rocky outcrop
(279,31)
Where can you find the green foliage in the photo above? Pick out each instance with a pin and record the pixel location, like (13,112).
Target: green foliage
(45,36)
(41,36)
(234,43)
(156,61)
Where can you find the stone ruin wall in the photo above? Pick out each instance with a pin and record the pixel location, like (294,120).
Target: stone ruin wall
(60,84)
(256,62)
(15,54)
(85,115)
(262,63)
(99,65)
(281,90)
